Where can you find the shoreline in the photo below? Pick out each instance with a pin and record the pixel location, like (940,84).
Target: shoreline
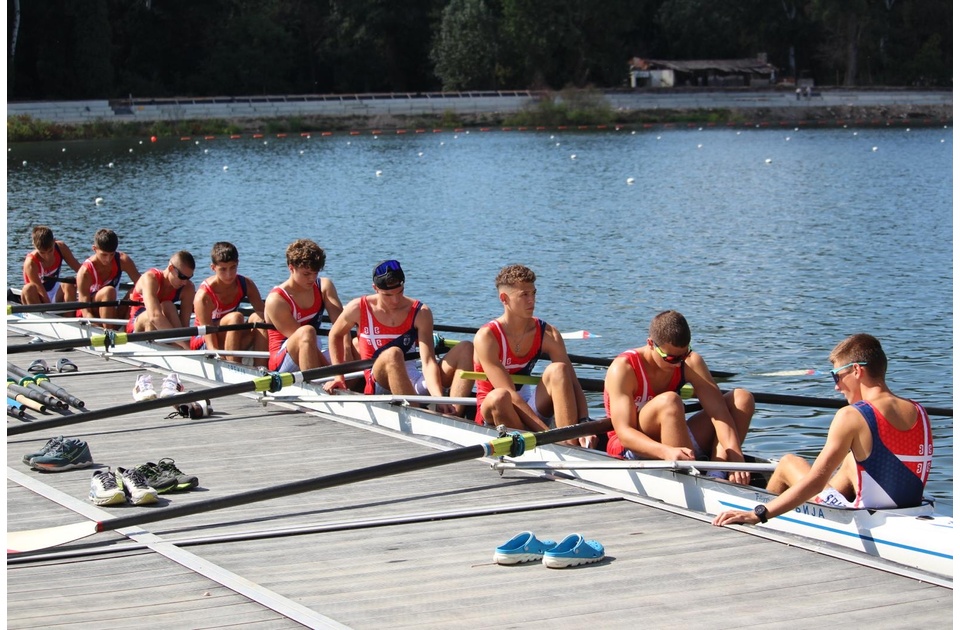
(515,111)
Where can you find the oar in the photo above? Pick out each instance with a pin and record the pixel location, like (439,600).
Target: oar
(111,338)
(32,394)
(44,382)
(53,307)
(394,399)
(587,384)
(14,408)
(828,403)
(510,445)
(637,465)
(597,361)
(269,382)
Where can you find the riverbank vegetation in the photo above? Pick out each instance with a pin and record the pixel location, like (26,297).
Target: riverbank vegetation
(115,49)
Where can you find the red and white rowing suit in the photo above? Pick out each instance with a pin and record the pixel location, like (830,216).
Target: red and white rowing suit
(219,309)
(511,362)
(309,316)
(373,337)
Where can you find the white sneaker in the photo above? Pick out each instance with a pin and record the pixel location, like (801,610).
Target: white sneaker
(135,486)
(171,386)
(104,489)
(143,388)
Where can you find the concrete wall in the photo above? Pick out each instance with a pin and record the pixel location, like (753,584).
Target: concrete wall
(372,105)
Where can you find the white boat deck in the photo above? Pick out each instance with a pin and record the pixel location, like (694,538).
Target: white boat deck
(413,550)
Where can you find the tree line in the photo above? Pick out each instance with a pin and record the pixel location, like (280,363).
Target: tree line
(65,49)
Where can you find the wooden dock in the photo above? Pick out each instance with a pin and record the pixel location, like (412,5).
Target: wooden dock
(413,550)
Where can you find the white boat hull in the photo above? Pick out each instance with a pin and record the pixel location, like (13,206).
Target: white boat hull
(917,541)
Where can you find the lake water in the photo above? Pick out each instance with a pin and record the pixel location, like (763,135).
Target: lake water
(775,244)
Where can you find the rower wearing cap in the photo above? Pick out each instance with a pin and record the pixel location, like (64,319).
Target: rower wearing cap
(389,324)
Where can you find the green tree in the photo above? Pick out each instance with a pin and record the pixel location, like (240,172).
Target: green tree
(465,50)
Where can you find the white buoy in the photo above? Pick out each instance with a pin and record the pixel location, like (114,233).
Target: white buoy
(301,152)
(24,162)
(874,149)
(206,150)
(420,154)
(699,146)
(658,137)
(630,181)
(225,167)
(573,156)
(633,133)
(768,161)
(64,149)
(854,133)
(131,150)
(110,165)
(787,139)
(379,173)
(98,201)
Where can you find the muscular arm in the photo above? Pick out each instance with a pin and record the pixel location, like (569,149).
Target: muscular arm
(187,294)
(331,301)
(84,282)
(32,273)
(711,399)
(68,256)
(338,339)
(428,358)
(129,267)
(253,295)
(556,349)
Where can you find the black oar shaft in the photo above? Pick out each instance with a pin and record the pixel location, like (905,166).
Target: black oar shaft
(496,447)
(263,383)
(828,403)
(42,381)
(111,339)
(56,307)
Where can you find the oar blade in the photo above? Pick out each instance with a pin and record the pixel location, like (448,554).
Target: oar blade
(37,539)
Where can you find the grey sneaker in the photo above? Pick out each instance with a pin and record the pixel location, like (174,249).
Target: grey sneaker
(135,487)
(46,448)
(105,489)
(70,453)
(157,478)
(184,481)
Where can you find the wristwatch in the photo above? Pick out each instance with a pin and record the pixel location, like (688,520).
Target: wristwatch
(761,512)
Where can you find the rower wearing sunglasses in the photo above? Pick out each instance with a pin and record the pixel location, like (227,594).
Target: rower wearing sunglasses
(641,394)
(878,451)
(167,297)
(390,324)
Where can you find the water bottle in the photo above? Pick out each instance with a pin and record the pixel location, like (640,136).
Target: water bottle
(195,409)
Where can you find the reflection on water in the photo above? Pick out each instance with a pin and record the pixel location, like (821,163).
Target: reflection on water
(774,243)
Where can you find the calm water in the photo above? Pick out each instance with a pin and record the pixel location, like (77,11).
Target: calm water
(775,244)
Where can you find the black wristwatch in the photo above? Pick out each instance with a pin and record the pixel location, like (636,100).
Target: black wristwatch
(761,512)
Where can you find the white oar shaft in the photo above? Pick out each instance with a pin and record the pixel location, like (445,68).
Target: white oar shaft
(377,398)
(187,353)
(637,464)
(66,320)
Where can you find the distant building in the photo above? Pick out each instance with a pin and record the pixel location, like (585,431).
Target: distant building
(706,72)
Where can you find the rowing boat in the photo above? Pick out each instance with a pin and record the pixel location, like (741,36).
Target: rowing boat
(915,542)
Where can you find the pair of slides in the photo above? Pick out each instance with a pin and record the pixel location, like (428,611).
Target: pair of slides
(40,366)
(572,551)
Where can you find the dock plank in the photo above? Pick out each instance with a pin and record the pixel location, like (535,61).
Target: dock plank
(662,569)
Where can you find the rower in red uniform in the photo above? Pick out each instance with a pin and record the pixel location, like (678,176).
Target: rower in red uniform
(881,443)
(41,270)
(511,344)
(390,324)
(641,393)
(218,300)
(167,297)
(99,275)
(294,309)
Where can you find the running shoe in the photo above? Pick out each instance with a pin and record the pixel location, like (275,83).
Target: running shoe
(46,448)
(158,479)
(135,487)
(184,481)
(171,386)
(70,453)
(105,488)
(143,388)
